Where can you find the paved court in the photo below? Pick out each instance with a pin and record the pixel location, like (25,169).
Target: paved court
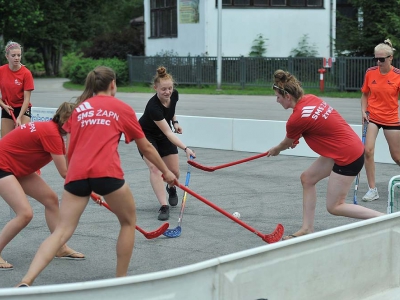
(266,191)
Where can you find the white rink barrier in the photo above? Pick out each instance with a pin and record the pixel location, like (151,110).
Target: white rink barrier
(358,261)
(238,134)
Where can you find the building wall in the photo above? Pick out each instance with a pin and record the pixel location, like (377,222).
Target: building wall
(282,27)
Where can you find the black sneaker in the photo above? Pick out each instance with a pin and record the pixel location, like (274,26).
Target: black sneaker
(172,196)
(164,213)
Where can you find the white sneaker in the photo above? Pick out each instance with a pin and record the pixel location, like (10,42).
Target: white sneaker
(371,195)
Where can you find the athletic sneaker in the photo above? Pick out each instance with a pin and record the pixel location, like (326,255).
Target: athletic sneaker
(164,213)
(371,195)
(172,196)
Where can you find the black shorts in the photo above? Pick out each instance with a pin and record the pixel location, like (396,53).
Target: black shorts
(4,173)
(102,186)
(16,111)
(162,144)
(351,169)
(385,127)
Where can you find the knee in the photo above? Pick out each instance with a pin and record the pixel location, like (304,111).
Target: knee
(306,179)
(52,201)
(396,158)
(154,171)
(25,217)
(369,153)
(332,209)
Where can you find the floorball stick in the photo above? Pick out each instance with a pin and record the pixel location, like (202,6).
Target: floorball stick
(212,169)
(148,235)
(364,134)
(273,237)
(176,232)
(11,113)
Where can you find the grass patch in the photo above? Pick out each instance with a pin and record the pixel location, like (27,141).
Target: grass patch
(225,90)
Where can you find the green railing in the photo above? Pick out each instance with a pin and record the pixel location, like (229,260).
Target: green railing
(345,74)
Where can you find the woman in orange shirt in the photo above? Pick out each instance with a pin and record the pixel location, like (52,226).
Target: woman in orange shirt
(380,94)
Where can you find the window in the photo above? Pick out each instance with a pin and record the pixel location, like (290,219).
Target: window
(272,3)
(163,18)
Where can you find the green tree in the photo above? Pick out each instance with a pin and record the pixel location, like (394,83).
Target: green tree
(376,21)
(304,49)
(53,28)
(259,47)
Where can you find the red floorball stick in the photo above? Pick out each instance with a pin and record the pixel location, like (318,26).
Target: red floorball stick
(11,113)
(212,169)
(148,235)
(273,237)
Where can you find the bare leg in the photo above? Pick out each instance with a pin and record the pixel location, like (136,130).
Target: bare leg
(6,126)
(370,140)
(38,189)
(393,139)
(123,205)
(338,188)
(12,192)
(156,180)
(318,170)
(71,210)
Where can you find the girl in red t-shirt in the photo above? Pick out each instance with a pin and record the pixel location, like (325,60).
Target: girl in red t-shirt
(327,133)
(98,121)
(16,85)
(24,150)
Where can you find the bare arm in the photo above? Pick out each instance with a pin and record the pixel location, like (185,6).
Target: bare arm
(24,107)
(152,155)
(163,125)
(61,164)
(364,105)
(285,144)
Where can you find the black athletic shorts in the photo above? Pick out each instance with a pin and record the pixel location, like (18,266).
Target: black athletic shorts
(351,169)
(102,186)
(4,173)
(162,144)
(16,111)
(385,127)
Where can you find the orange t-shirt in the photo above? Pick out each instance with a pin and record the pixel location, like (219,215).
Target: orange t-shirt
(384,92)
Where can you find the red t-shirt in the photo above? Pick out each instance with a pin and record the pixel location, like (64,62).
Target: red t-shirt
(29,147)
(324,130)
(96,126)
(383,104)
(13,84)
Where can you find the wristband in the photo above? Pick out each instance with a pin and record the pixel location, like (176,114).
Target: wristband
(185,149)
(174,122)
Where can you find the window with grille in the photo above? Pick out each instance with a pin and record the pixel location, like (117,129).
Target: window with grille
(272,3)
(163,18)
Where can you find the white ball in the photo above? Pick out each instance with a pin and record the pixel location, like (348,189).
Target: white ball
(236,215)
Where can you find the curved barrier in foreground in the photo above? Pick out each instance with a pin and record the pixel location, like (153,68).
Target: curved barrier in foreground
(354,261)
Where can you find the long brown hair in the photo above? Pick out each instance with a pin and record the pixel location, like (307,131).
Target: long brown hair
(96,81)
(62,114)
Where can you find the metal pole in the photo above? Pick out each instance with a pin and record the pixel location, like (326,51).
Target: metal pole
(219,45)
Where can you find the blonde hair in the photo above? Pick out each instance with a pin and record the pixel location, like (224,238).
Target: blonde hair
(284,82)
(385,46)
(98,80)
(62,114)
(10,46)
(162,74)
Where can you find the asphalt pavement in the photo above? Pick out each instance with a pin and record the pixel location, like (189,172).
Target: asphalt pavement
(266,191)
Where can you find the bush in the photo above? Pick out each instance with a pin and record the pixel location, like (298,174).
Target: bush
(79,70)
(68,61)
